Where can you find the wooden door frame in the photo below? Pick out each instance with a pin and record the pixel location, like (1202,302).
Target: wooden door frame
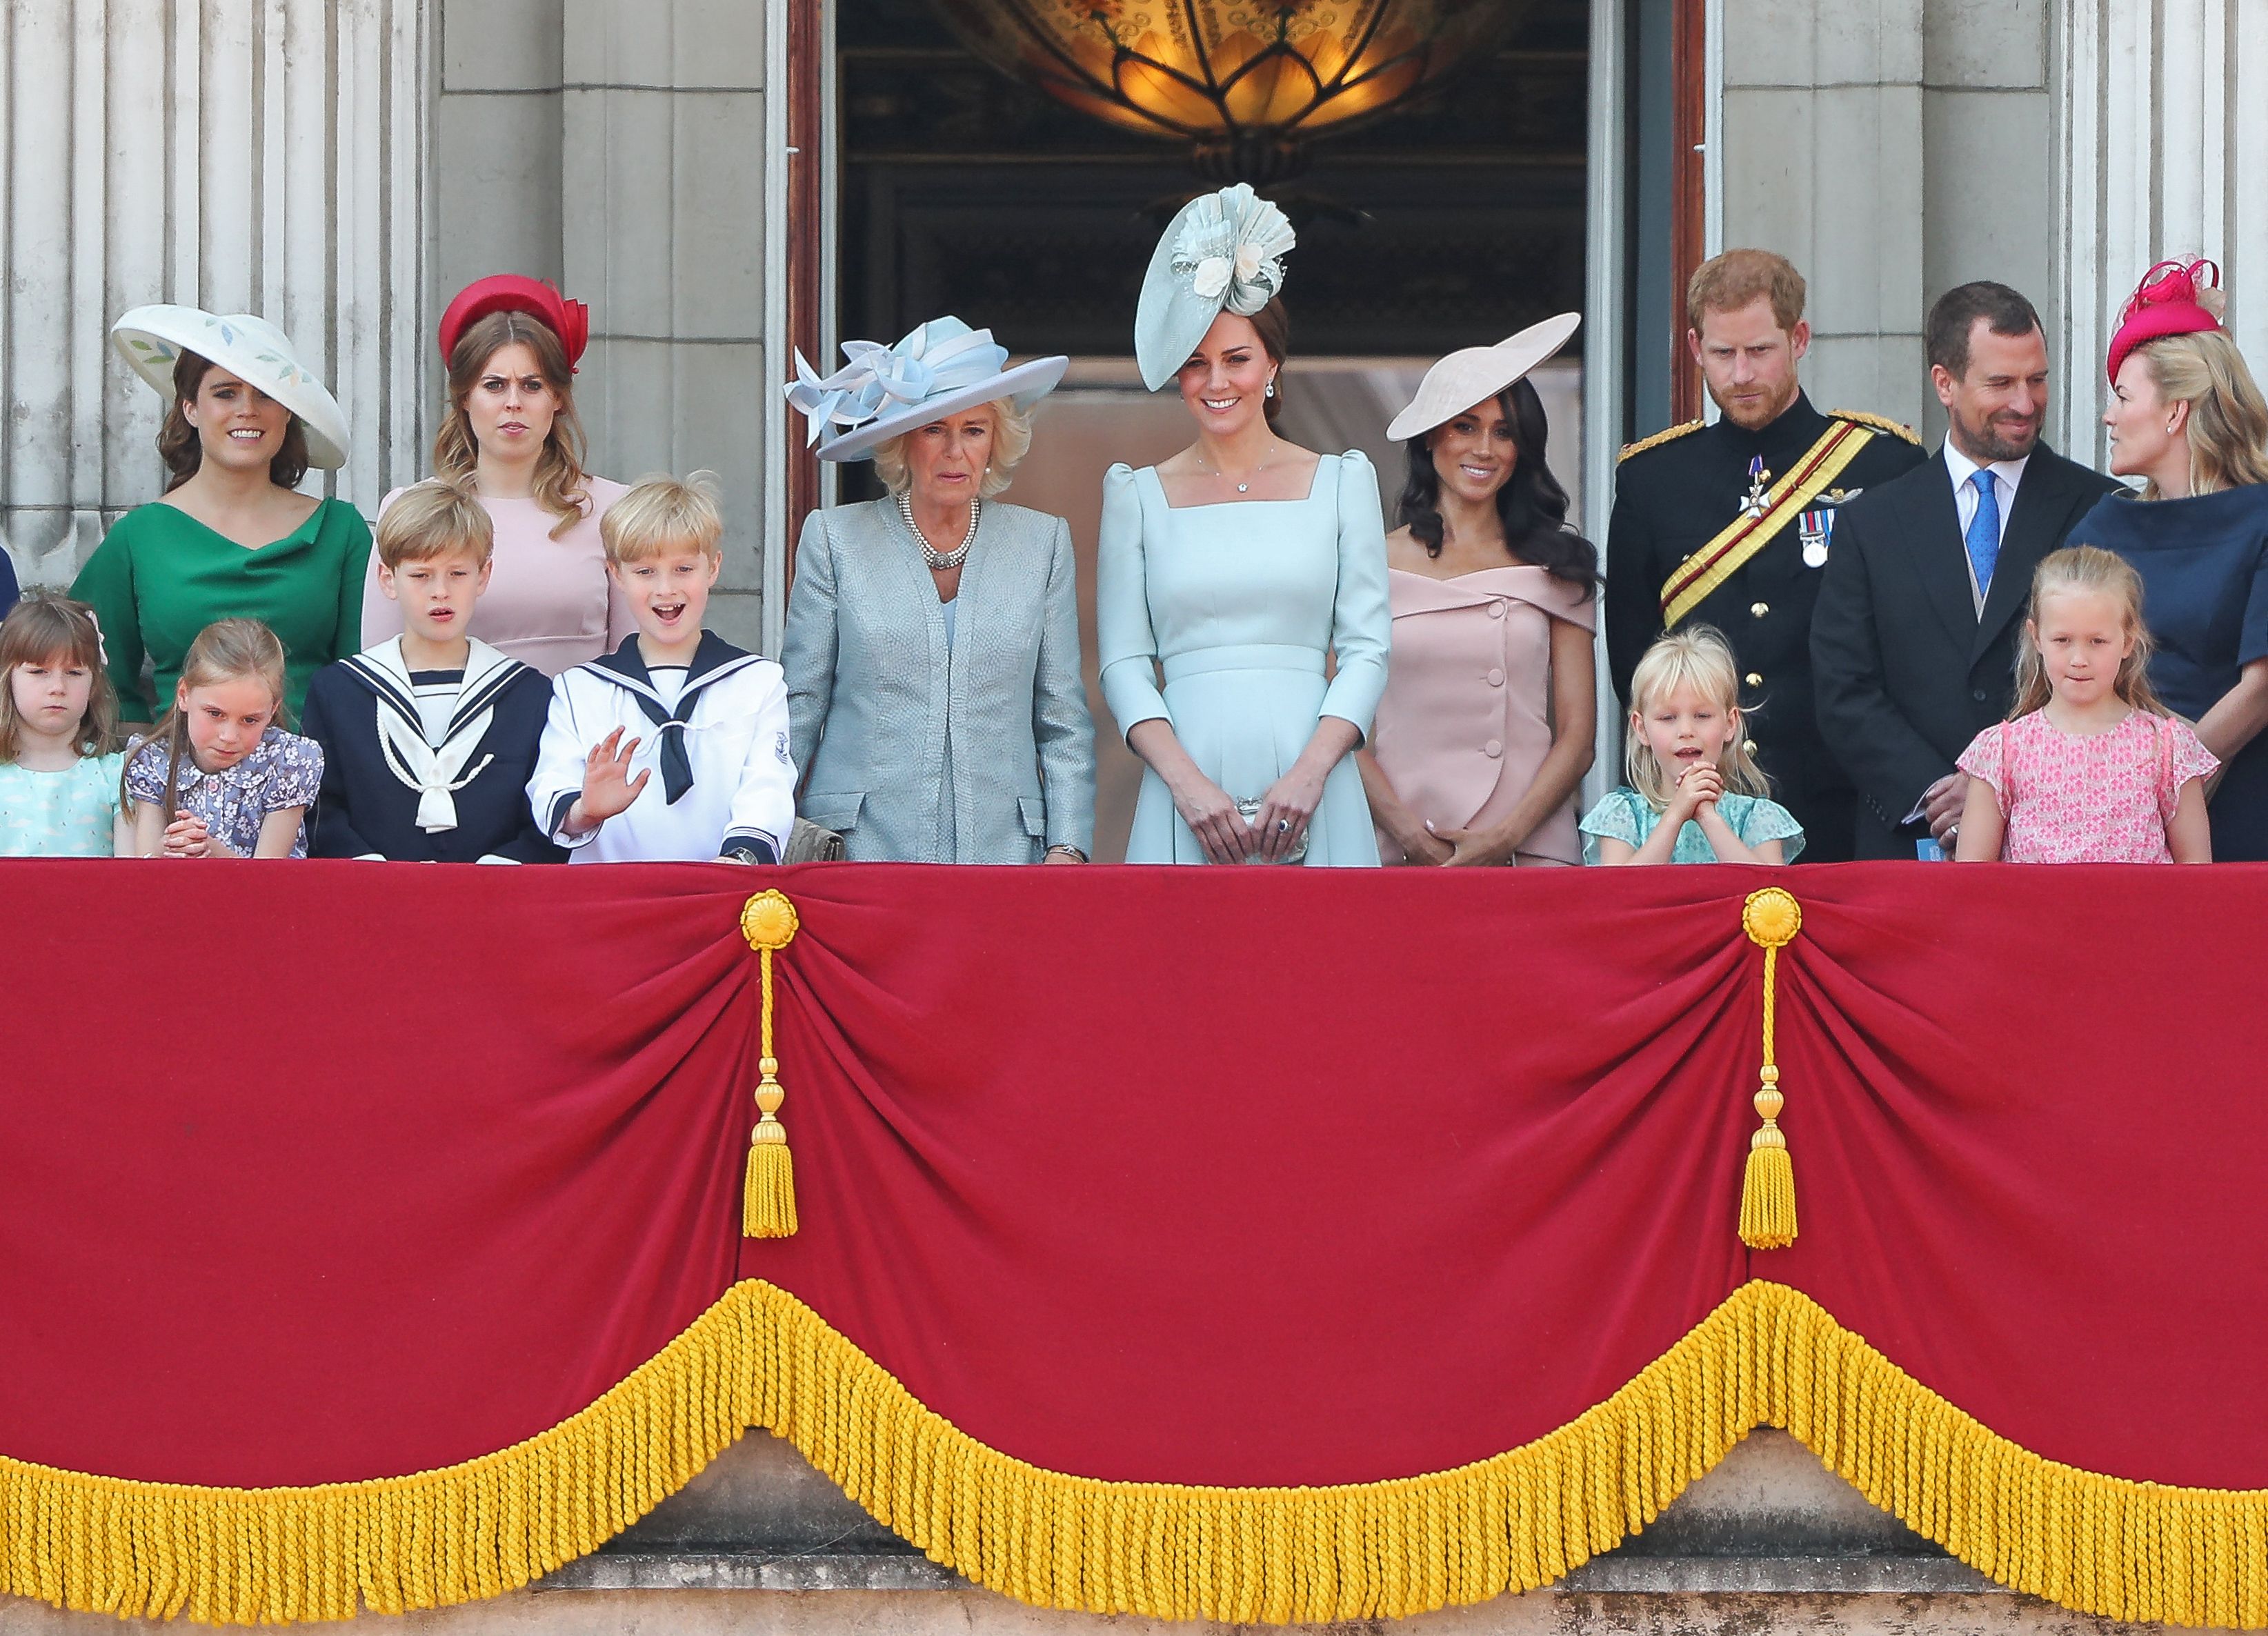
(1688,203)
(805,83)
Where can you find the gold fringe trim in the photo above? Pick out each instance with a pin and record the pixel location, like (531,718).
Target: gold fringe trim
(1768,1356)
(276,1556)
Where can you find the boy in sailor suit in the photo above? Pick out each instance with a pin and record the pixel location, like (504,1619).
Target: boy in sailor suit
(674,744)
(428,737)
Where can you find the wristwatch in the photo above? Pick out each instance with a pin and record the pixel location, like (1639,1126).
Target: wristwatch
(1068,852)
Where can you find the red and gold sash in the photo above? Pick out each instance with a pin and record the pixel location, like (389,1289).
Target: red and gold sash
(1701,573)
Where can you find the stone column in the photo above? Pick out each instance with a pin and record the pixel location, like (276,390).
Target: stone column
(1892,149)
(2161,154)
(662,209)
(266,156)
(1822,123)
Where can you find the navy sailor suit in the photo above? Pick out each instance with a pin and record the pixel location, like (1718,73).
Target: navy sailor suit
(454,790)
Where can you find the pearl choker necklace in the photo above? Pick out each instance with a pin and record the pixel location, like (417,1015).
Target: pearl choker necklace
(940,560)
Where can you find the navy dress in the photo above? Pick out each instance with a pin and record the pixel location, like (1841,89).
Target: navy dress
(2203,563)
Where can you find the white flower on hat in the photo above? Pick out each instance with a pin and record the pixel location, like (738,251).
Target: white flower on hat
(1228,250)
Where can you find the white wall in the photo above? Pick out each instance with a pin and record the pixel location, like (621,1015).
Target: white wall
(262,156)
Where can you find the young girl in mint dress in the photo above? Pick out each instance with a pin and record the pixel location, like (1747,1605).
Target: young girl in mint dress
(232,538)
(1695,795)
(59,762)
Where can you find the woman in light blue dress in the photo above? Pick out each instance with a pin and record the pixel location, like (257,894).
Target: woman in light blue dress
(1239,570)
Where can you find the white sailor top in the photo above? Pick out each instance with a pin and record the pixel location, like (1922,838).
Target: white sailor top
(717,744)
(428,766)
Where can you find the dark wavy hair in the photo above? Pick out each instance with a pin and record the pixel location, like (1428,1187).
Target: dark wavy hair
(1531,504)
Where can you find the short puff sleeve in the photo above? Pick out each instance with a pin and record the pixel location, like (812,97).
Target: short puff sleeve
(1768,821)
(1615,818)
(295,775)
(1987,758)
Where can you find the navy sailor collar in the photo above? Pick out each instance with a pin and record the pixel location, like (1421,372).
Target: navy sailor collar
(713,661)
(488,672)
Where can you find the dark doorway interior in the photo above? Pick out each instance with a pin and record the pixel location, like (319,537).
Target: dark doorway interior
(964,192)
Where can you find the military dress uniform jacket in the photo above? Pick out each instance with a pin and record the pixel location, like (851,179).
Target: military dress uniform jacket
(1675,493)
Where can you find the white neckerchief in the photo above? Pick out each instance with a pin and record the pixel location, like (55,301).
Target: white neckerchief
(436,771)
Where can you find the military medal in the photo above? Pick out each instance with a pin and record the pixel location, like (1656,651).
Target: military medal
(1752,506)
(1813,528)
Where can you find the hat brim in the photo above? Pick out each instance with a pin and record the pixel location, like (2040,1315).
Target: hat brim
(1170,319)
(1447,392)
(1024,385)
(151,339)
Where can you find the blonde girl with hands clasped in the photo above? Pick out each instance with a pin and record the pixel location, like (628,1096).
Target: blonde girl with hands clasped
(217,777)
(2089,767)
(1695,795)
(59,762)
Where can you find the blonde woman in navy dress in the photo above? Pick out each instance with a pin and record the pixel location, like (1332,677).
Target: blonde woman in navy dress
(1235,570)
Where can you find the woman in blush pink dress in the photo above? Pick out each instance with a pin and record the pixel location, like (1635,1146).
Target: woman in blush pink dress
(1490,716)
(511,345)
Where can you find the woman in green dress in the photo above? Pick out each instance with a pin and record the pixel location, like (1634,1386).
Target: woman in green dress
(232,536)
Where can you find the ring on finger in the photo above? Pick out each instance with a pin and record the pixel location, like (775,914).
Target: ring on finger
(1283,825)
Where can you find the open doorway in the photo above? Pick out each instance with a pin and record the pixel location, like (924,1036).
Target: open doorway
(1449,225)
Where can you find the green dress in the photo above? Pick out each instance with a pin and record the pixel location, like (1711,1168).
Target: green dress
(160,575)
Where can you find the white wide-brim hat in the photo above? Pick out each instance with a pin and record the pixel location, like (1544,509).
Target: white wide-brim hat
(1222,251)
(153,338)
(1476,375)
(941,368)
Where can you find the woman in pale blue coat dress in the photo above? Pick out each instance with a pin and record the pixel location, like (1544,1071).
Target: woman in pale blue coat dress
(1239,570)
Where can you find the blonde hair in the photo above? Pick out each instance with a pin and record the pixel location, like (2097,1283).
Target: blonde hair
(661,512)
(1011,440)
(1699,659)
(439,517)
(2228,418)
(45,628)
(227,650)
(1729,282)
(559,487)
(2089,569)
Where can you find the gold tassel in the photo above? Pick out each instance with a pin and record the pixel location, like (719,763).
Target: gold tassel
(768,921)
(1771,919)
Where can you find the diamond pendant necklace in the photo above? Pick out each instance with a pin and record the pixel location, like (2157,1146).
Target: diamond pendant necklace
(1244,487)
(939,562)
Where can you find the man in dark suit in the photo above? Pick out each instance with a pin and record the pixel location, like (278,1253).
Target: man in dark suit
(1913,641)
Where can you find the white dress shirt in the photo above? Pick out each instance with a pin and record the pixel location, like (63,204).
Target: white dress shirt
(2006,475)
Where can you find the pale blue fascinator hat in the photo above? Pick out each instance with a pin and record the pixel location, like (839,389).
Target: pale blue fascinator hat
(940,369)
(1222,251)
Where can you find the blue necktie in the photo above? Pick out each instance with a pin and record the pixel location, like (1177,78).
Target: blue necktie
(1985,529)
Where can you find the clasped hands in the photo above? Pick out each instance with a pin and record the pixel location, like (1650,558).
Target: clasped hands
(1284,813)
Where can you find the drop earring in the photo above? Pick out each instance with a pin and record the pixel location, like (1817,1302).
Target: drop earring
(1271,386)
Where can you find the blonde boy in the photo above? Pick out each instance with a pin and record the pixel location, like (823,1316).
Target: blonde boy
(428,737)
(674,744)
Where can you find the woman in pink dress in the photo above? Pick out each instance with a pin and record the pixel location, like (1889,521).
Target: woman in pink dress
(1491,713)
(511,345)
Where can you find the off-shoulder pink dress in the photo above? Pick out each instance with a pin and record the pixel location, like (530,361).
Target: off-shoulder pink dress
(1465,720)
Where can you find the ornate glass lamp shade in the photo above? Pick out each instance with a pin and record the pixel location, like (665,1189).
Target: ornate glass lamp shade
(1244,80)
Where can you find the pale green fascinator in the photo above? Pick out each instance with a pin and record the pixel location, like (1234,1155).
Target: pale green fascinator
(1222,251)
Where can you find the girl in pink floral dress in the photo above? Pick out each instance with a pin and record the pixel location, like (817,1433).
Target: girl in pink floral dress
(2090,768)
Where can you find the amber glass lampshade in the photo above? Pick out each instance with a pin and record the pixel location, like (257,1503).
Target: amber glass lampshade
(1244,81)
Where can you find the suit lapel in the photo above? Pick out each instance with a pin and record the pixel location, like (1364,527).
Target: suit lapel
(2035,528)
(1940,557)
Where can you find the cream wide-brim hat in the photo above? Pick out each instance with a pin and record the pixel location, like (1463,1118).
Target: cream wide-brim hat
(1476,375)
(151,339)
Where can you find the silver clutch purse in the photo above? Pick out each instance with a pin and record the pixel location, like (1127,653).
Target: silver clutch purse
(1298,854)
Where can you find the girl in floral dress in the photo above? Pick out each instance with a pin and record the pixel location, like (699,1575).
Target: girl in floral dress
(2090,768)
(217,777)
